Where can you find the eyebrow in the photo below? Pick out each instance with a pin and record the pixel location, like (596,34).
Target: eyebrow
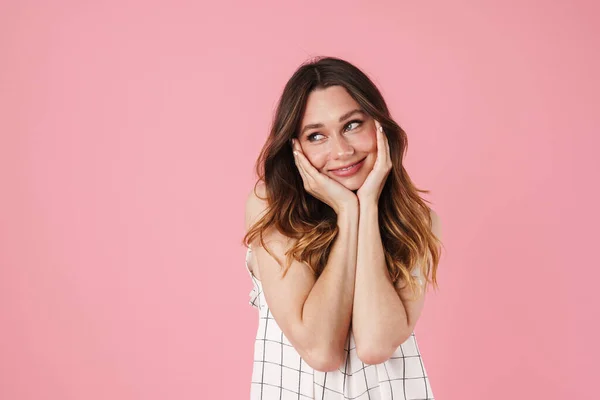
(342,118)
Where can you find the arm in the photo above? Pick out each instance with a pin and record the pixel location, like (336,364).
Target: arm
(314,314)
(383,316)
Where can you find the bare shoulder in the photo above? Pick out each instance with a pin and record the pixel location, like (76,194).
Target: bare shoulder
(256,204)
(256,207)
(436,224)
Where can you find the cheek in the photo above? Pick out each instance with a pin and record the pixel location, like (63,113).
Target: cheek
(318,158)
(367,143)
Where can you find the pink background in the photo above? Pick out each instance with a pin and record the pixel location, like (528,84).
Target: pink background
(128,135)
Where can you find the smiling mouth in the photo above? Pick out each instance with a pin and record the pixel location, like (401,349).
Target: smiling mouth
(348,167)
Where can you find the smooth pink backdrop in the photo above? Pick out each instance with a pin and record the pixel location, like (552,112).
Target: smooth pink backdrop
(128,135)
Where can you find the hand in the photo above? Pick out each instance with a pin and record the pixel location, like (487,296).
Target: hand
(373,185)
(320,186)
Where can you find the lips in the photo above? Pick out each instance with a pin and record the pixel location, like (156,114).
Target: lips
(349,171)
(347,166)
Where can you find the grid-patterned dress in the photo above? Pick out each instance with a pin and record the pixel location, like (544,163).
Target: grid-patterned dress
(280,373)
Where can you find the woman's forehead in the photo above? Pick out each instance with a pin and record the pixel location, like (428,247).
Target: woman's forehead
(328,105)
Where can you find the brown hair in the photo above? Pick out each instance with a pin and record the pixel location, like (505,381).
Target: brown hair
(404,218)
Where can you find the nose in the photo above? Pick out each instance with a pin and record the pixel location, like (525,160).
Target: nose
(340,147)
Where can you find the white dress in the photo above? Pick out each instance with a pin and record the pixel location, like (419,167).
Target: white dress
(280,373)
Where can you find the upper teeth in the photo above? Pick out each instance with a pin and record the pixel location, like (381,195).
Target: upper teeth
(347,168)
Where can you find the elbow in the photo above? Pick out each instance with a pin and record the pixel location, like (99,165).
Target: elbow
(324,360)
(320,354)
(374,355)
(379,351)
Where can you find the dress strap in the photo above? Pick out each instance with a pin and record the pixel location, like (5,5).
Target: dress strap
(256,290)
(248,259)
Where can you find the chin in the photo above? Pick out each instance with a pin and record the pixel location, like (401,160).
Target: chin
(352,184)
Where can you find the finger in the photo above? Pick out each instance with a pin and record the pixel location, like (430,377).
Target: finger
(308,167)
(386,147)
(296,150)
(308,179)
(378,133)
(378,126)
(383,145)
(311,174)
(380,146)
(387,156)
(299,167)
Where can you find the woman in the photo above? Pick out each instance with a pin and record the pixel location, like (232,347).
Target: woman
(340,246)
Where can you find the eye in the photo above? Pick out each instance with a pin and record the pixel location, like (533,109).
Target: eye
(356,121)
(311,136)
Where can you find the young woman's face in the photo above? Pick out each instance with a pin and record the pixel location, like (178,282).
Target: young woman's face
(336,133)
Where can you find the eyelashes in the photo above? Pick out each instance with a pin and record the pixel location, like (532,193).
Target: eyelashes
(358,121)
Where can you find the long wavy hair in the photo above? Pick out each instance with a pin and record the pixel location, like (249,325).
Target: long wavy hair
(404,217)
